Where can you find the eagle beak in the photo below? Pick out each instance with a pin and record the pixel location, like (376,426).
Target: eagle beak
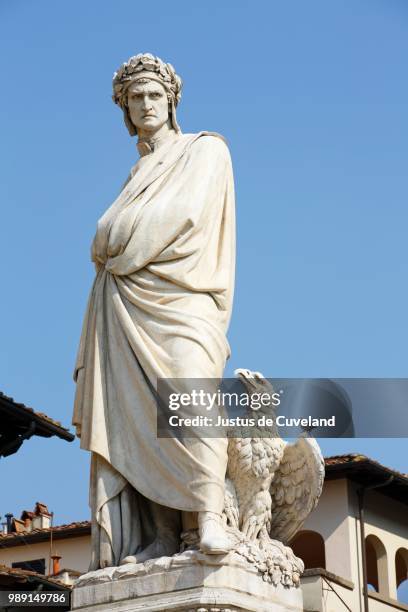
(249,378)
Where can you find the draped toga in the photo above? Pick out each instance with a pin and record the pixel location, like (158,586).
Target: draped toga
(159,308)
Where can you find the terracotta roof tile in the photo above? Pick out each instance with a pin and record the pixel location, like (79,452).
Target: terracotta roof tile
(39,416)
(368,474)
(355,458)
(29,409)
(55,530)
(15,572)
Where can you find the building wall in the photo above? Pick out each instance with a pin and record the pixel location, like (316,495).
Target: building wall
(331,520)
(75,553)
(336,518)
(386,519)
(319,597)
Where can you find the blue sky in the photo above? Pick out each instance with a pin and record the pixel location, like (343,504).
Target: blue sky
(312,98)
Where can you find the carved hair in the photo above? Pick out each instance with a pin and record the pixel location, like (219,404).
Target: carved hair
(141,67)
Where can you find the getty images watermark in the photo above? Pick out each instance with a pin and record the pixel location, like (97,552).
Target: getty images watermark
(285,407)
(208,408)
(220,401)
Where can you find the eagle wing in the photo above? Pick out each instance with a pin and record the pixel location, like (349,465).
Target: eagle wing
(296,487)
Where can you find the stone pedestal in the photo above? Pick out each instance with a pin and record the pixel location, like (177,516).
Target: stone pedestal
(184,583)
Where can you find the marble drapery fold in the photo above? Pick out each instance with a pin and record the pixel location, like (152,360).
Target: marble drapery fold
(159,307)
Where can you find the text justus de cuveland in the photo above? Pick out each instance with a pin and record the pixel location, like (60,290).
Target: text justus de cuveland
(261,421)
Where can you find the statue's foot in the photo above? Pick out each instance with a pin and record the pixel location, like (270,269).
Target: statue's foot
(160,547)
(213,538)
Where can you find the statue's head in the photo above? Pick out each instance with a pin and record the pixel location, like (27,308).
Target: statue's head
(148,91)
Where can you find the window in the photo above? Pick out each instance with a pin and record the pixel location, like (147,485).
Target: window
(35,565)
(377,571)
(401,573)
(309,546)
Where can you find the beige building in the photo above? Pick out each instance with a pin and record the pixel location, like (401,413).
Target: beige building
(31,543)
(19,423)
(359,527)
(362,501)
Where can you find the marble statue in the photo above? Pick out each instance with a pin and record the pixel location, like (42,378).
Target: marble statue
(271,485)
(159,307)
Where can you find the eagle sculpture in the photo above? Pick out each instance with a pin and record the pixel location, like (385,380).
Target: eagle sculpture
(271,486)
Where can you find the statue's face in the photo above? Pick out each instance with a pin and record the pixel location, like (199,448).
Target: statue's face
(148,106)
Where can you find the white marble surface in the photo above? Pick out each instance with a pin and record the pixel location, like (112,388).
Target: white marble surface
(195,582)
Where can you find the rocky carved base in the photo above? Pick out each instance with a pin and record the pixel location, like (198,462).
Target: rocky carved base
(194,582)
(274,561)
(211,610)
